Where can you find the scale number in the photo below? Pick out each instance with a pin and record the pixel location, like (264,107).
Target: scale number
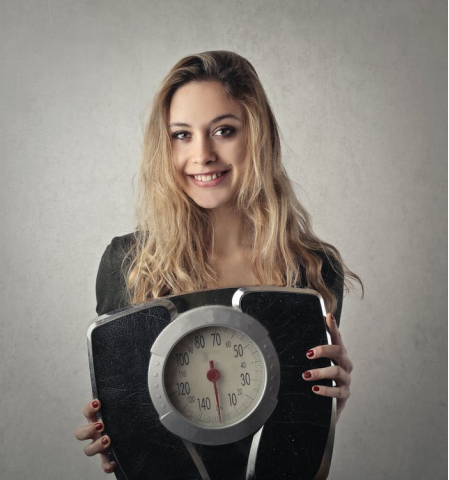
(183,388)
(216,339)
(204,403)
(232,399)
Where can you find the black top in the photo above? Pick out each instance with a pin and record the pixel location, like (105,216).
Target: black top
(111,286)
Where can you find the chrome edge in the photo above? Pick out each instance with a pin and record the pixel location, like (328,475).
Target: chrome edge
(252,457)
(196,459)
(323,470)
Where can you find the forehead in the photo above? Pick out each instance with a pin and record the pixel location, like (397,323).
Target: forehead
(198,102)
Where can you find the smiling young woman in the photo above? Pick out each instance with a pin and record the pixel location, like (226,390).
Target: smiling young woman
(216,208)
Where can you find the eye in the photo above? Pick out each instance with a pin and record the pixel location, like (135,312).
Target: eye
(225,131)
(182,135)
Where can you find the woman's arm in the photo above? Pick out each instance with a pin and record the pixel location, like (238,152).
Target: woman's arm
(111,295)
(92,431)
(340,372)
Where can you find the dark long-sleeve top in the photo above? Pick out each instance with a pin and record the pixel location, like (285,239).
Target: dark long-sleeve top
(111,284)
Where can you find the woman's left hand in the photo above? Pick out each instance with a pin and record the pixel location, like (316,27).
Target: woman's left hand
(340,372)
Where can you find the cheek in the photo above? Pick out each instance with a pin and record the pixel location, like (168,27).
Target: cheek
(240,152)
(177,170)
(233,154)
(177,164)
(180,179)
(240,156)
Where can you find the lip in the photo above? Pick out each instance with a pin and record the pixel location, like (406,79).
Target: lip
(210,183)
(213,172)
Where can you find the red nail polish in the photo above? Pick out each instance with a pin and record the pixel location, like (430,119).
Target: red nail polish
(95,404)
(306,374)
(98,426)
(104,441)
(310,354)
(315,388)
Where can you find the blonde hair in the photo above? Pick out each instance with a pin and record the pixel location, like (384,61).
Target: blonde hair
(174,239)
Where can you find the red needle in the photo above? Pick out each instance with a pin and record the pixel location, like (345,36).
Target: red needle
(213,376)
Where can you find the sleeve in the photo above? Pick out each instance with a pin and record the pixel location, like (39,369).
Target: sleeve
(334,279)
(111,283)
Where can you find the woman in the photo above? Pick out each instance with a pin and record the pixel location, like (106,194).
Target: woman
(216,209)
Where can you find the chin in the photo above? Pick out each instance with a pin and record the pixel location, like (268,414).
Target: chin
(210,204)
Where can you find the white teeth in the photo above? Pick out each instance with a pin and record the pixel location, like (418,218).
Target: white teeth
(207,178)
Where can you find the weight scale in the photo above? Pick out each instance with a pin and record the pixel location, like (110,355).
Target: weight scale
(207,386)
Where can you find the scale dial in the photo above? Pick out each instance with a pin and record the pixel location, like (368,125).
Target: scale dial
(214,375)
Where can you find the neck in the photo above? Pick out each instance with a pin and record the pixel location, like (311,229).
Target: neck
(228,232)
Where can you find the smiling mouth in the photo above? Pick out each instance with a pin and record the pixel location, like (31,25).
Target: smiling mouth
(209,177)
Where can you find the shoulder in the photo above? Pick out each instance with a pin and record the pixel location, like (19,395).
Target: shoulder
(111,283)
(115,253)
(122,242)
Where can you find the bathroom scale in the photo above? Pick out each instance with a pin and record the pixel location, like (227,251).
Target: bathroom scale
(208,385)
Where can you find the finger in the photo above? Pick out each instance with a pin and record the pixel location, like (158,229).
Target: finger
(91,409)
(106,465)
(332,326)
(337,353)
(341,392)
(91,431)
(97,446)
(336,373)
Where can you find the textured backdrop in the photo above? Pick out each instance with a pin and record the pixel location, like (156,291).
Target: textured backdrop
(359,88)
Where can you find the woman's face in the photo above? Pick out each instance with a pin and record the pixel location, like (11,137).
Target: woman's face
(208,144)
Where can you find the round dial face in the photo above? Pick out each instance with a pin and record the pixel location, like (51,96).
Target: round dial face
(215,376)
(208,377)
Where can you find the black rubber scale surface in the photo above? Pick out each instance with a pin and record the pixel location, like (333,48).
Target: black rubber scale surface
(295,436)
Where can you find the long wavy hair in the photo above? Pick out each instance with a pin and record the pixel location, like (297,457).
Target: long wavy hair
(173,247)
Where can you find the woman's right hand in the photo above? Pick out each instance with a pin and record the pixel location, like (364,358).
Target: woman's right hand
(92,431)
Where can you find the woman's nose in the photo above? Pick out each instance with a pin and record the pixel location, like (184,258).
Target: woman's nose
(203,151)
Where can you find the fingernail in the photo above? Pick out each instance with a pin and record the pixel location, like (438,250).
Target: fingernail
(104,441)
(316,388)
(310,354)
(108,469)
(333,318)
(307,375)
(95,404)
(98,426)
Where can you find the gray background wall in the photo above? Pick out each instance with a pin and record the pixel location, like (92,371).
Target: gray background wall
(359,90)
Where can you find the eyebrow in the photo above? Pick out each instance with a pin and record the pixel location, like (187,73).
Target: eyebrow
(215,120)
